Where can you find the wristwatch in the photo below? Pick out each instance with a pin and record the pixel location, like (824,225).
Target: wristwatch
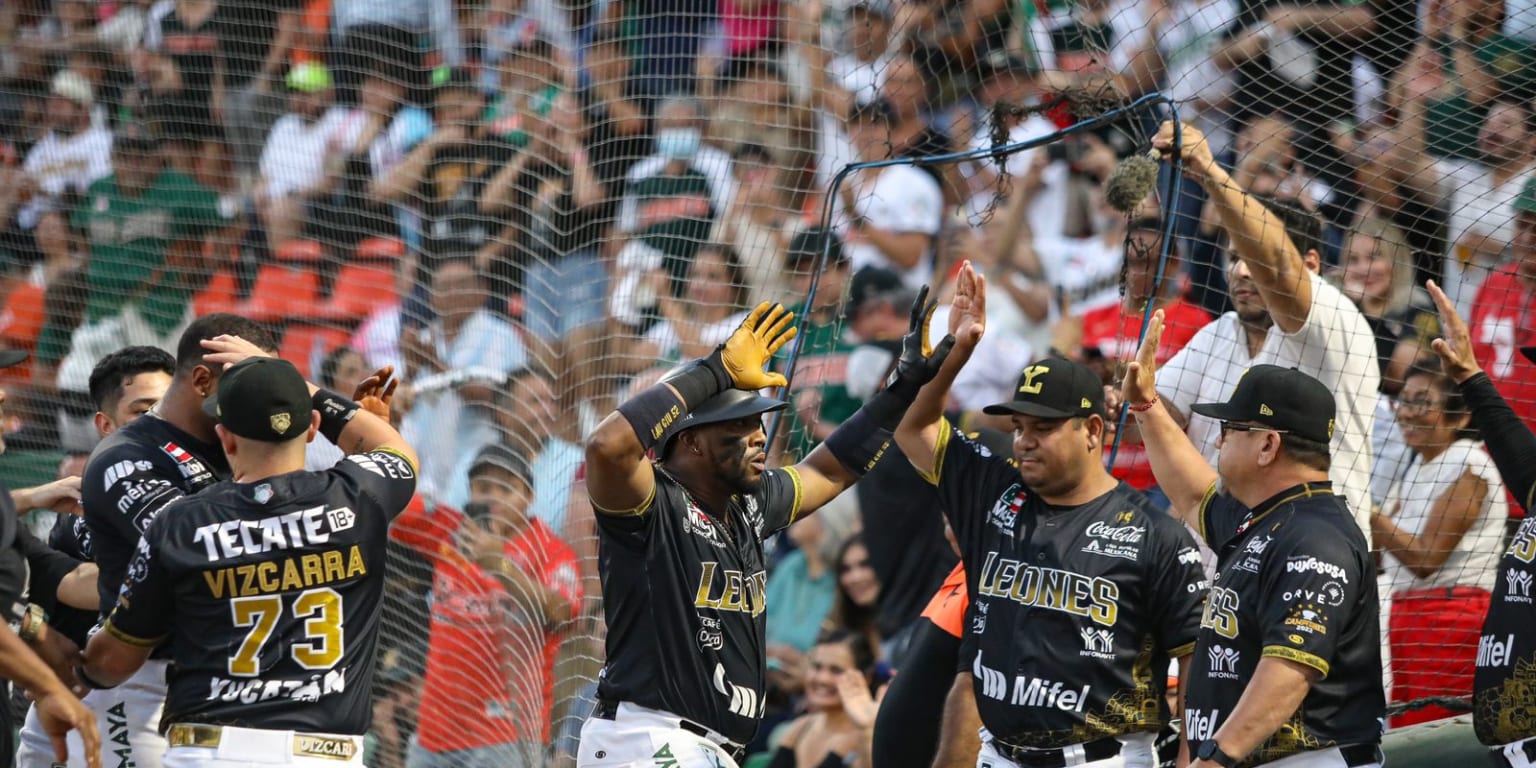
(32,623)
(1210,750)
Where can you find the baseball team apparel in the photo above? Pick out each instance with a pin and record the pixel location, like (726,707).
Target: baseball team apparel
(683,596)
(1296,581)
(1075,611)
(1506,651)
(269,593)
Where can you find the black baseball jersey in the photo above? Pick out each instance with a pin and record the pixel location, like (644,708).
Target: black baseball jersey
(271,594)
(1075,611)
(683,592)
(1504,685)
(1295,580)
(130,477)
(14,573)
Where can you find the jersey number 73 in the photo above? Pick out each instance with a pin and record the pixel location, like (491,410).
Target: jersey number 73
(321,611)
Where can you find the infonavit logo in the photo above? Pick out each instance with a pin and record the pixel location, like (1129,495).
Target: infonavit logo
(1224,662)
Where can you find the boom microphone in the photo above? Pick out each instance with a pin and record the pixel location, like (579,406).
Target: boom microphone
(1131,181)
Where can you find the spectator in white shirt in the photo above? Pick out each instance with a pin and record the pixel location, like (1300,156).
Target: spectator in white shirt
(304,152)
(861,71)
(892,215)
(68,158)
(1285,315)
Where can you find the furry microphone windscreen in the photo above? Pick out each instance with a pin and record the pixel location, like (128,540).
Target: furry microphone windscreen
(1130,182)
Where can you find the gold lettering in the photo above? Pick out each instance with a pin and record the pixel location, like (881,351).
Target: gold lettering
(355,565)
(1106,602)
(334,569)
(311,565)
(1029,387)
(291,579)
(247,575)
(217,581)
(266,576)
(706,581)
(730,600)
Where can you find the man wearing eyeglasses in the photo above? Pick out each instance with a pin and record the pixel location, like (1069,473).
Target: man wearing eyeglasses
(1287,665)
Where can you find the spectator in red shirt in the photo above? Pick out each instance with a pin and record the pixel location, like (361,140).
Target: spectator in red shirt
(1111,334)
(1504,318)
(504,588)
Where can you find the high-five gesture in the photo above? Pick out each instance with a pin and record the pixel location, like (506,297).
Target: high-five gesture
(1455,343)
(743,356)
(1140,384)
(968,310)
(919,361)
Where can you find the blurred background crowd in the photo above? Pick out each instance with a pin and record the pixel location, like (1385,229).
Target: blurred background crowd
(533,207)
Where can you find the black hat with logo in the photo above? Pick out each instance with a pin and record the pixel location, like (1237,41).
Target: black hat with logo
(1054,388)
(1283,399)
(262,398)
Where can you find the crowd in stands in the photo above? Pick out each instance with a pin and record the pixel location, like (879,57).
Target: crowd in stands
(533,207)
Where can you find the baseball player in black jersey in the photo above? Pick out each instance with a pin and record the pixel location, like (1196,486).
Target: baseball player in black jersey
(166,454)
(1288,666)
(681,557)
(1081,590)
(1504,684)
(59,711)
(267,586)
(124,385)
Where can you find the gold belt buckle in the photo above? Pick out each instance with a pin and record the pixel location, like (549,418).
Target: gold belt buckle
(326,747)
(193,735)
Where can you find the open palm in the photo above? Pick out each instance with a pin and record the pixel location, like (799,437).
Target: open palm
(968,309)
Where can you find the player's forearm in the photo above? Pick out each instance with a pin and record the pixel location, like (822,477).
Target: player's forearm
(109,662)
(959,727)
(1272,696)
(1181,472)
(1260,240)
(1509,441)
(20,665)
(79,589)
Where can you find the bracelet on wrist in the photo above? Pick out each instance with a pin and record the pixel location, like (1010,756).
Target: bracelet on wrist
(1143,407)
(32,624)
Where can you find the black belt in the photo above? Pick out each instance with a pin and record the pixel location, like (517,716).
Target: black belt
(1500,760)
(1356,755)
(1103,749)
(609,710)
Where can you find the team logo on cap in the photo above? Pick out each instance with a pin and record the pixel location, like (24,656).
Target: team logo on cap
(1330,429)
(1265,410)
(1030,387)
(281,422)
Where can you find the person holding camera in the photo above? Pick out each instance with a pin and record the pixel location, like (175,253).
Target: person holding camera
(504,591)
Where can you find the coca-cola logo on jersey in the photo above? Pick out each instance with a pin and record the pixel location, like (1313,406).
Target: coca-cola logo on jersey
(1124,534)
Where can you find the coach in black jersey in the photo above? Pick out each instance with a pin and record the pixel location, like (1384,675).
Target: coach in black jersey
(681,557)
(1081,590)
(1289,659)
(1504,685)
(268,586)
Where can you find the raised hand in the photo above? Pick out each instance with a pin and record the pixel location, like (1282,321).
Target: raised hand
(1195,151)
(919,361)
(968,309)
(857,701)
(744,356)
(1140,384)
(1455,343)
(376,392)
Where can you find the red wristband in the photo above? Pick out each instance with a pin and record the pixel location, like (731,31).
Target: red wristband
(1143,407)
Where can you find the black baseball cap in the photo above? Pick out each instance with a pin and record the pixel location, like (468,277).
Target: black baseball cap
(872,284)
(730,405)
(498,456)
(1054,388)
(262,398)
(806,246)
(10,357)
(1279,398)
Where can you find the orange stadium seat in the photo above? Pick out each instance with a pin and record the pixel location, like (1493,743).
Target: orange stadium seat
(21,322)
(221,294)
(288,288)
(306,344)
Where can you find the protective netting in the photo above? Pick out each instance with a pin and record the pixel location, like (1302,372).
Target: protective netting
(532,208)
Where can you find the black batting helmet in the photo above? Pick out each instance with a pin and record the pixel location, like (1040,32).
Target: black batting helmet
(730,405)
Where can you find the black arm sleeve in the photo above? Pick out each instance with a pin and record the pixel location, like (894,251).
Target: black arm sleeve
(1509,441)
(49,567)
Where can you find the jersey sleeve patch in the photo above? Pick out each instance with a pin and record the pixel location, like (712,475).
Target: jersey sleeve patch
(799,488)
